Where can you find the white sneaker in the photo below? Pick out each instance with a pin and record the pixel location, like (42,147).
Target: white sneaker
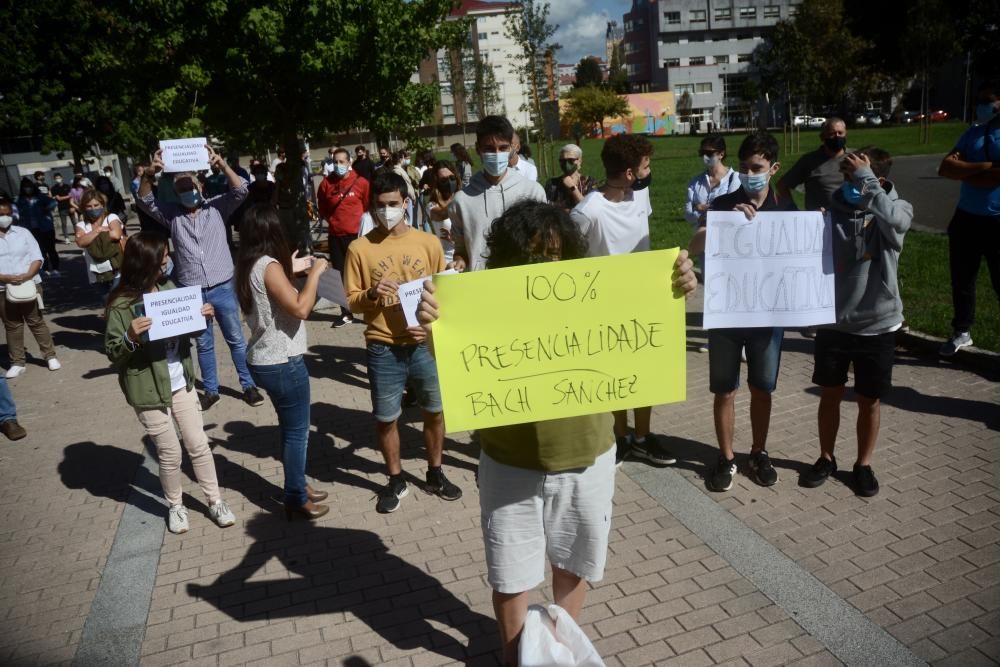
(14,371)
(177,519)
(222,514)
(54,364)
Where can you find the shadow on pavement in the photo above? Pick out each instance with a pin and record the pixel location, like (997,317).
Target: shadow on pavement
(911,400)
(352,571)
(106,471)
(342,364)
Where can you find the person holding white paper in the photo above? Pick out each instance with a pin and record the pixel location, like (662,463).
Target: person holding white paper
(870,221)
(198,229)
(391,254)
(275,311)
(157,378)
(758,156)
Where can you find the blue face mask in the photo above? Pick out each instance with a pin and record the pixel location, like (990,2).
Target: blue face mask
(985,112)
(190,199)
(94,213)
(170,267)
(341,169)
(495,163)
(754,183)
(850,193)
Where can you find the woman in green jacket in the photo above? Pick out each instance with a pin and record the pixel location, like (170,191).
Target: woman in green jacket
(157,378)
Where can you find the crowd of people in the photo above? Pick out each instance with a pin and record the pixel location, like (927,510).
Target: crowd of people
(545,488)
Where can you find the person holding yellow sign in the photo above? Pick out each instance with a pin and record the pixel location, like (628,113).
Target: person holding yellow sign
(545,487)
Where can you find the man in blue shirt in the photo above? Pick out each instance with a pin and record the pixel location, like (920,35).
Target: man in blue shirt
(974,231)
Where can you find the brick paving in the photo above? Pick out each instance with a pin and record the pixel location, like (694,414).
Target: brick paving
(921,559)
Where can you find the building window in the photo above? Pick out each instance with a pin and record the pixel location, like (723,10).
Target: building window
(482,36)
(743,58)
(672,62)
(697,16)
(724,14)
(682,88)
(721,60)
(672,18)
(697,60)
(748,13)
(448,109)
(696,37)
(772,11)
(793,10)
(702,88)
(744,35)
(628,26)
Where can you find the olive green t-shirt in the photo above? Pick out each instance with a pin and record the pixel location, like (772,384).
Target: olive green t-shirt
(550,446)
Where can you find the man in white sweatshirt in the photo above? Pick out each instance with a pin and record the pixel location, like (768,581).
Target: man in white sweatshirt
(488,195)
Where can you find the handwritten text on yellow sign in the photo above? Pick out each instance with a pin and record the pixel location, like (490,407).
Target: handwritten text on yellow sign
(559,339)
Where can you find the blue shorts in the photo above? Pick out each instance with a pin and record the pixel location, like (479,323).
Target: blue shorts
(763,346)
(392,368)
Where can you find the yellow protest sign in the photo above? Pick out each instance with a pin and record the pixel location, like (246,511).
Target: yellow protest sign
(559,339)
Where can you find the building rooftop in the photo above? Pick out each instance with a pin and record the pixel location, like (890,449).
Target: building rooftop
(480,7)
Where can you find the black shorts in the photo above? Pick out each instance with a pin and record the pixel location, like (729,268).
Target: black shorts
(872,357)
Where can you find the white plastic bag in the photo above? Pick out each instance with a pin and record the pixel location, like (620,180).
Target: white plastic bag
(551,638)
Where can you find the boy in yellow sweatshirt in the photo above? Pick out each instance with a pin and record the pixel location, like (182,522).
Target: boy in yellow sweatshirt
(377,264)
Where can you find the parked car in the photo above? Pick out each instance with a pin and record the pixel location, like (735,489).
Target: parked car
(874,118)
(939,114)
(800,121)
(861,119)
(907,116)
(816,121)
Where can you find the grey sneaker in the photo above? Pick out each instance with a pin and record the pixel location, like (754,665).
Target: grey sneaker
(958,340)
(221,514)
(177,519)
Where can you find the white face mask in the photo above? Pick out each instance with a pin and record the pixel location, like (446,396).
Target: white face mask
(389,216)
(6,221)
(710,160)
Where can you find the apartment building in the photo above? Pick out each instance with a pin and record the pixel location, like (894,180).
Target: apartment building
(702,48)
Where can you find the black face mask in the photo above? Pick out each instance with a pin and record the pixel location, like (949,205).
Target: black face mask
(835,144)
(642,183)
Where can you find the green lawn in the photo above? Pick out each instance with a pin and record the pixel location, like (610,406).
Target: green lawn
(923,269)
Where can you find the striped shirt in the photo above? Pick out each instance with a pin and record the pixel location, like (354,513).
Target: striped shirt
(202,255)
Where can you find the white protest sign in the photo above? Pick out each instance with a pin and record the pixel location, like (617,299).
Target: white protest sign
(773,271)
(409,297)
(184,154)
(331,288)
(174,312)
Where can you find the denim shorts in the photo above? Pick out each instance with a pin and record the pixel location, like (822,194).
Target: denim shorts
(392,368)
(763,347)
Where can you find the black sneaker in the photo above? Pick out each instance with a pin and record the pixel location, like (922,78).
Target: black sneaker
(760,468)
(652,450)
(389,495)
(623,446)
(342,321)
(720,478)
(863,481)
(819,472)
(208,400)
(438,485)
(252,397)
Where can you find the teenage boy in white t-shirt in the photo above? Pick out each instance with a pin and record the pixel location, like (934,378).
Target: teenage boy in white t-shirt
(615,220)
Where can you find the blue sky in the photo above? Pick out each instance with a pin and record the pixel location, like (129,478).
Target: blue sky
(582,24)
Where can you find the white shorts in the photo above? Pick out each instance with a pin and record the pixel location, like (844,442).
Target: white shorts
(528,515)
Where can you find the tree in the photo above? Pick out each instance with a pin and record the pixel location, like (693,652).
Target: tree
(929,39)
(617,76)
(485,91)
(811,58)
(527,26)
(684,106)
(590,105)
(588,73)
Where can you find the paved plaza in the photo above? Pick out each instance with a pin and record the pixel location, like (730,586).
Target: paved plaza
(756,576)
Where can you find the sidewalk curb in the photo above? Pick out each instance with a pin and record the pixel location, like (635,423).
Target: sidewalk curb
(969,357)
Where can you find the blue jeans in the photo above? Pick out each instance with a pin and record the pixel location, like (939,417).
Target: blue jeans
(390,368)
(287,385)
(763,347)
(227,313)
(8,410)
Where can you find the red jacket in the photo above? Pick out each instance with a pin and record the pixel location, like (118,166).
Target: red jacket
(342,201)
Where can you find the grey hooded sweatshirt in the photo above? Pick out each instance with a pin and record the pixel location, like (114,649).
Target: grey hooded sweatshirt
(866,246)
(478,204)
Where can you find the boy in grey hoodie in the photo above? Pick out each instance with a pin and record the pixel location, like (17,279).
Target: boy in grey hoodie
(869,222)
(488,195)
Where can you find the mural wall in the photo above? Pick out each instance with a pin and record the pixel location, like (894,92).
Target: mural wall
(650,113)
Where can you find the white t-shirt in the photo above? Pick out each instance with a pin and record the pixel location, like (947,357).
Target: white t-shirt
(93,268)
(174,366)
(528,170)
(614,228)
